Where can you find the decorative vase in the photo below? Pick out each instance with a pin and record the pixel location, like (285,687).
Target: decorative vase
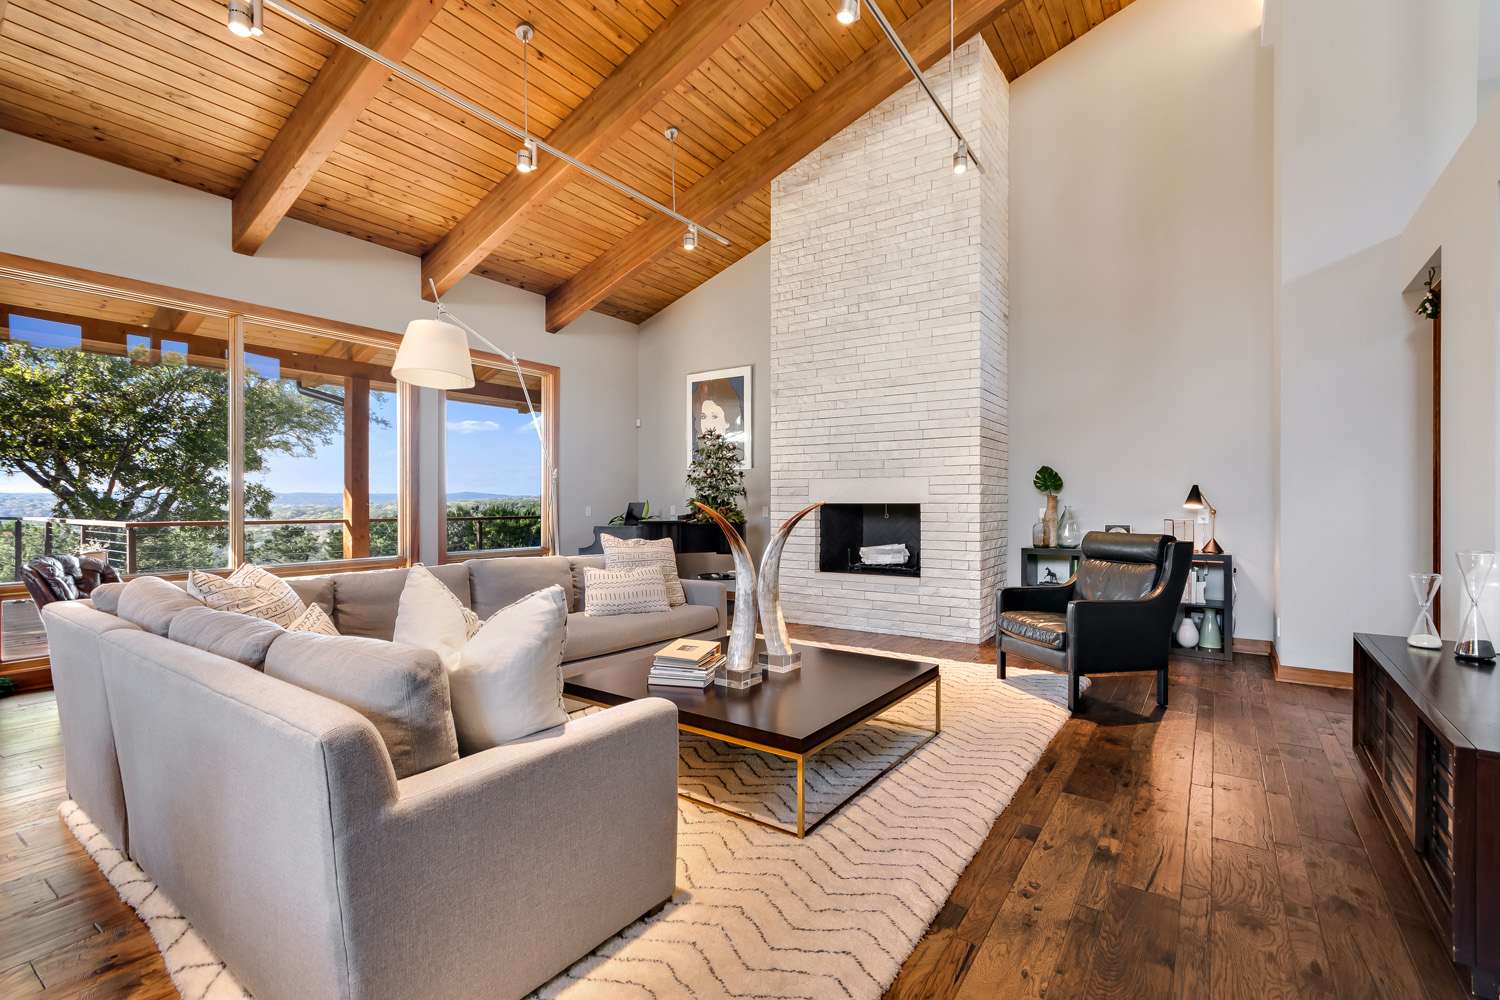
(1049,522)
(1474,639)
(1424,631)
(1039,530)
(1069,532)
(1187,632)
(741,668)
(1209,637)
(779,656)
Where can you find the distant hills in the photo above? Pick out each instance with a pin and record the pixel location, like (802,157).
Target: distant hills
(40,504)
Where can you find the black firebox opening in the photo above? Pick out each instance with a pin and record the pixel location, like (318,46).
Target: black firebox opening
(846,527)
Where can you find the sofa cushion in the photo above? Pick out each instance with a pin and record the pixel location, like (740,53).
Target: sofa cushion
(365,603)
(597,636)
(430,616)
(581,565)
(242,638)
(632,553)
(152,603)
(1045,628)
(106,597)
(314,590)
(508,681)
(499,583)
(401,689)
(625,591)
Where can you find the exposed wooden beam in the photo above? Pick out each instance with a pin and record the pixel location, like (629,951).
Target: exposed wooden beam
(679,45)
(338,96)
(177,320)
(830,109)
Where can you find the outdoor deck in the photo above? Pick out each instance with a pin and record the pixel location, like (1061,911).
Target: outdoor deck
(21,633)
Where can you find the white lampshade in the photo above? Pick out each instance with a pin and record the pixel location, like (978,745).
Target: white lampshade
(434,354)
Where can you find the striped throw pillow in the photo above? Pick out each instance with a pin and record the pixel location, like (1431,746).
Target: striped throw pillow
(624,592)
(314,619)
(633,553)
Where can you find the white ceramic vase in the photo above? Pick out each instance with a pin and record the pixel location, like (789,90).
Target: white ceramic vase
(1187,632)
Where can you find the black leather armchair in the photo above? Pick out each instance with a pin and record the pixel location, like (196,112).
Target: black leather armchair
(65,577)
(1114,616)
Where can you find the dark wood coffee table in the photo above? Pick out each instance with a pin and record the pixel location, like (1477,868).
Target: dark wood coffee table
(792,715)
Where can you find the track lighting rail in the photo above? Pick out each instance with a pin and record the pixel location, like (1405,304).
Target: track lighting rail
(411,76)
(911,64)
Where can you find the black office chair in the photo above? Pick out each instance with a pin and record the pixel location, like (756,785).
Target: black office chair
(1114,616)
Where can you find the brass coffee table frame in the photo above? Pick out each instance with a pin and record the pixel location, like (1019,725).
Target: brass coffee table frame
(802,829)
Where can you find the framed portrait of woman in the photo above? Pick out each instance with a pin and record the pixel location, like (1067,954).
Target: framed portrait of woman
(720,400)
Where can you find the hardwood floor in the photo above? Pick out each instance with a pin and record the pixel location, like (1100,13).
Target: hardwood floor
(1226,847)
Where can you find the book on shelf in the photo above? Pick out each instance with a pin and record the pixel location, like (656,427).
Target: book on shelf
(687,652)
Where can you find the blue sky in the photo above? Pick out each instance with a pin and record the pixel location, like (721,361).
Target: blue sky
(489,449)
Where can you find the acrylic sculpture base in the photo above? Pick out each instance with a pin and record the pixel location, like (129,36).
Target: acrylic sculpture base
(738,680)
(780,663)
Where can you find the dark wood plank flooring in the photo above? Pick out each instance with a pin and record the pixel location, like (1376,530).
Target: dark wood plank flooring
(1226,847)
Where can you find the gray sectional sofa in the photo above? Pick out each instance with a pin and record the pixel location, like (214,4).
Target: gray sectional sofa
(273,816)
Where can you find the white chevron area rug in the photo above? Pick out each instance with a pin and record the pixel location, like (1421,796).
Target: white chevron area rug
(761,914)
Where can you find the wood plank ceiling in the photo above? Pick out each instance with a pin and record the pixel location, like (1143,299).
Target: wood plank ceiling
(161,86)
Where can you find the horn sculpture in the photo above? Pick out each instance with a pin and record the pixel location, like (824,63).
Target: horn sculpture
(741,667)
(779,656)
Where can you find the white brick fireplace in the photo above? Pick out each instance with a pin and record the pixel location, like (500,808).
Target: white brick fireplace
(888,354)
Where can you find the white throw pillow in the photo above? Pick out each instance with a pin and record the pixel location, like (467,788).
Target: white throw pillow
(610,592)
(431,616)
(249,590)
(314,619)
(633,553)
(508,682)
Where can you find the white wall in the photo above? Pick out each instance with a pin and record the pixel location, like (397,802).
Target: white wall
(60,206)
(1366,120)
(723,323)
(1458,220)
(1141,279)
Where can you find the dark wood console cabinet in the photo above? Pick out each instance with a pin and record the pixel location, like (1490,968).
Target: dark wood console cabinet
(1427,731)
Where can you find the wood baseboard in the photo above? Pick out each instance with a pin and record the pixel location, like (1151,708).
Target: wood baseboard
(1305,675)
(1257,647)
(29,675)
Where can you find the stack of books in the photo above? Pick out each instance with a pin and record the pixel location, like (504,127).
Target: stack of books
(688,663)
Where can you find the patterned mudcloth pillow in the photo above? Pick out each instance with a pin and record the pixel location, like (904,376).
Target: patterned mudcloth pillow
(314,619)
(249,590)
(633,553)
(624,592)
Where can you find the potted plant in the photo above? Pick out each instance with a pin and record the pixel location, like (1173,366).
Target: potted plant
(715,477)
(1049,482)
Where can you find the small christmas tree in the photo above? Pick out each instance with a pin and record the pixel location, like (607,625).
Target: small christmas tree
(715,476)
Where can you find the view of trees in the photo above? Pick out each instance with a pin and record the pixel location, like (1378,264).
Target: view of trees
(464,536)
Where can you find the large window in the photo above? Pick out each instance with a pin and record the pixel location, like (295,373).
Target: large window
(333,492)
(494,466)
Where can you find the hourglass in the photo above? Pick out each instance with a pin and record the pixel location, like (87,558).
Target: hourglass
(1424,631)
(1474,639)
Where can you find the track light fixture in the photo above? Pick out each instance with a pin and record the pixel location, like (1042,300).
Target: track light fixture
(245,17)
(526,155)
(523,32)
(689,238)
(961,159)
(848,11)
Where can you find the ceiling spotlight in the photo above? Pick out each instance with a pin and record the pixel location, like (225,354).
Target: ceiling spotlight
(848,11)
(690,238)
(245,17)
(526,155)
(961,159)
